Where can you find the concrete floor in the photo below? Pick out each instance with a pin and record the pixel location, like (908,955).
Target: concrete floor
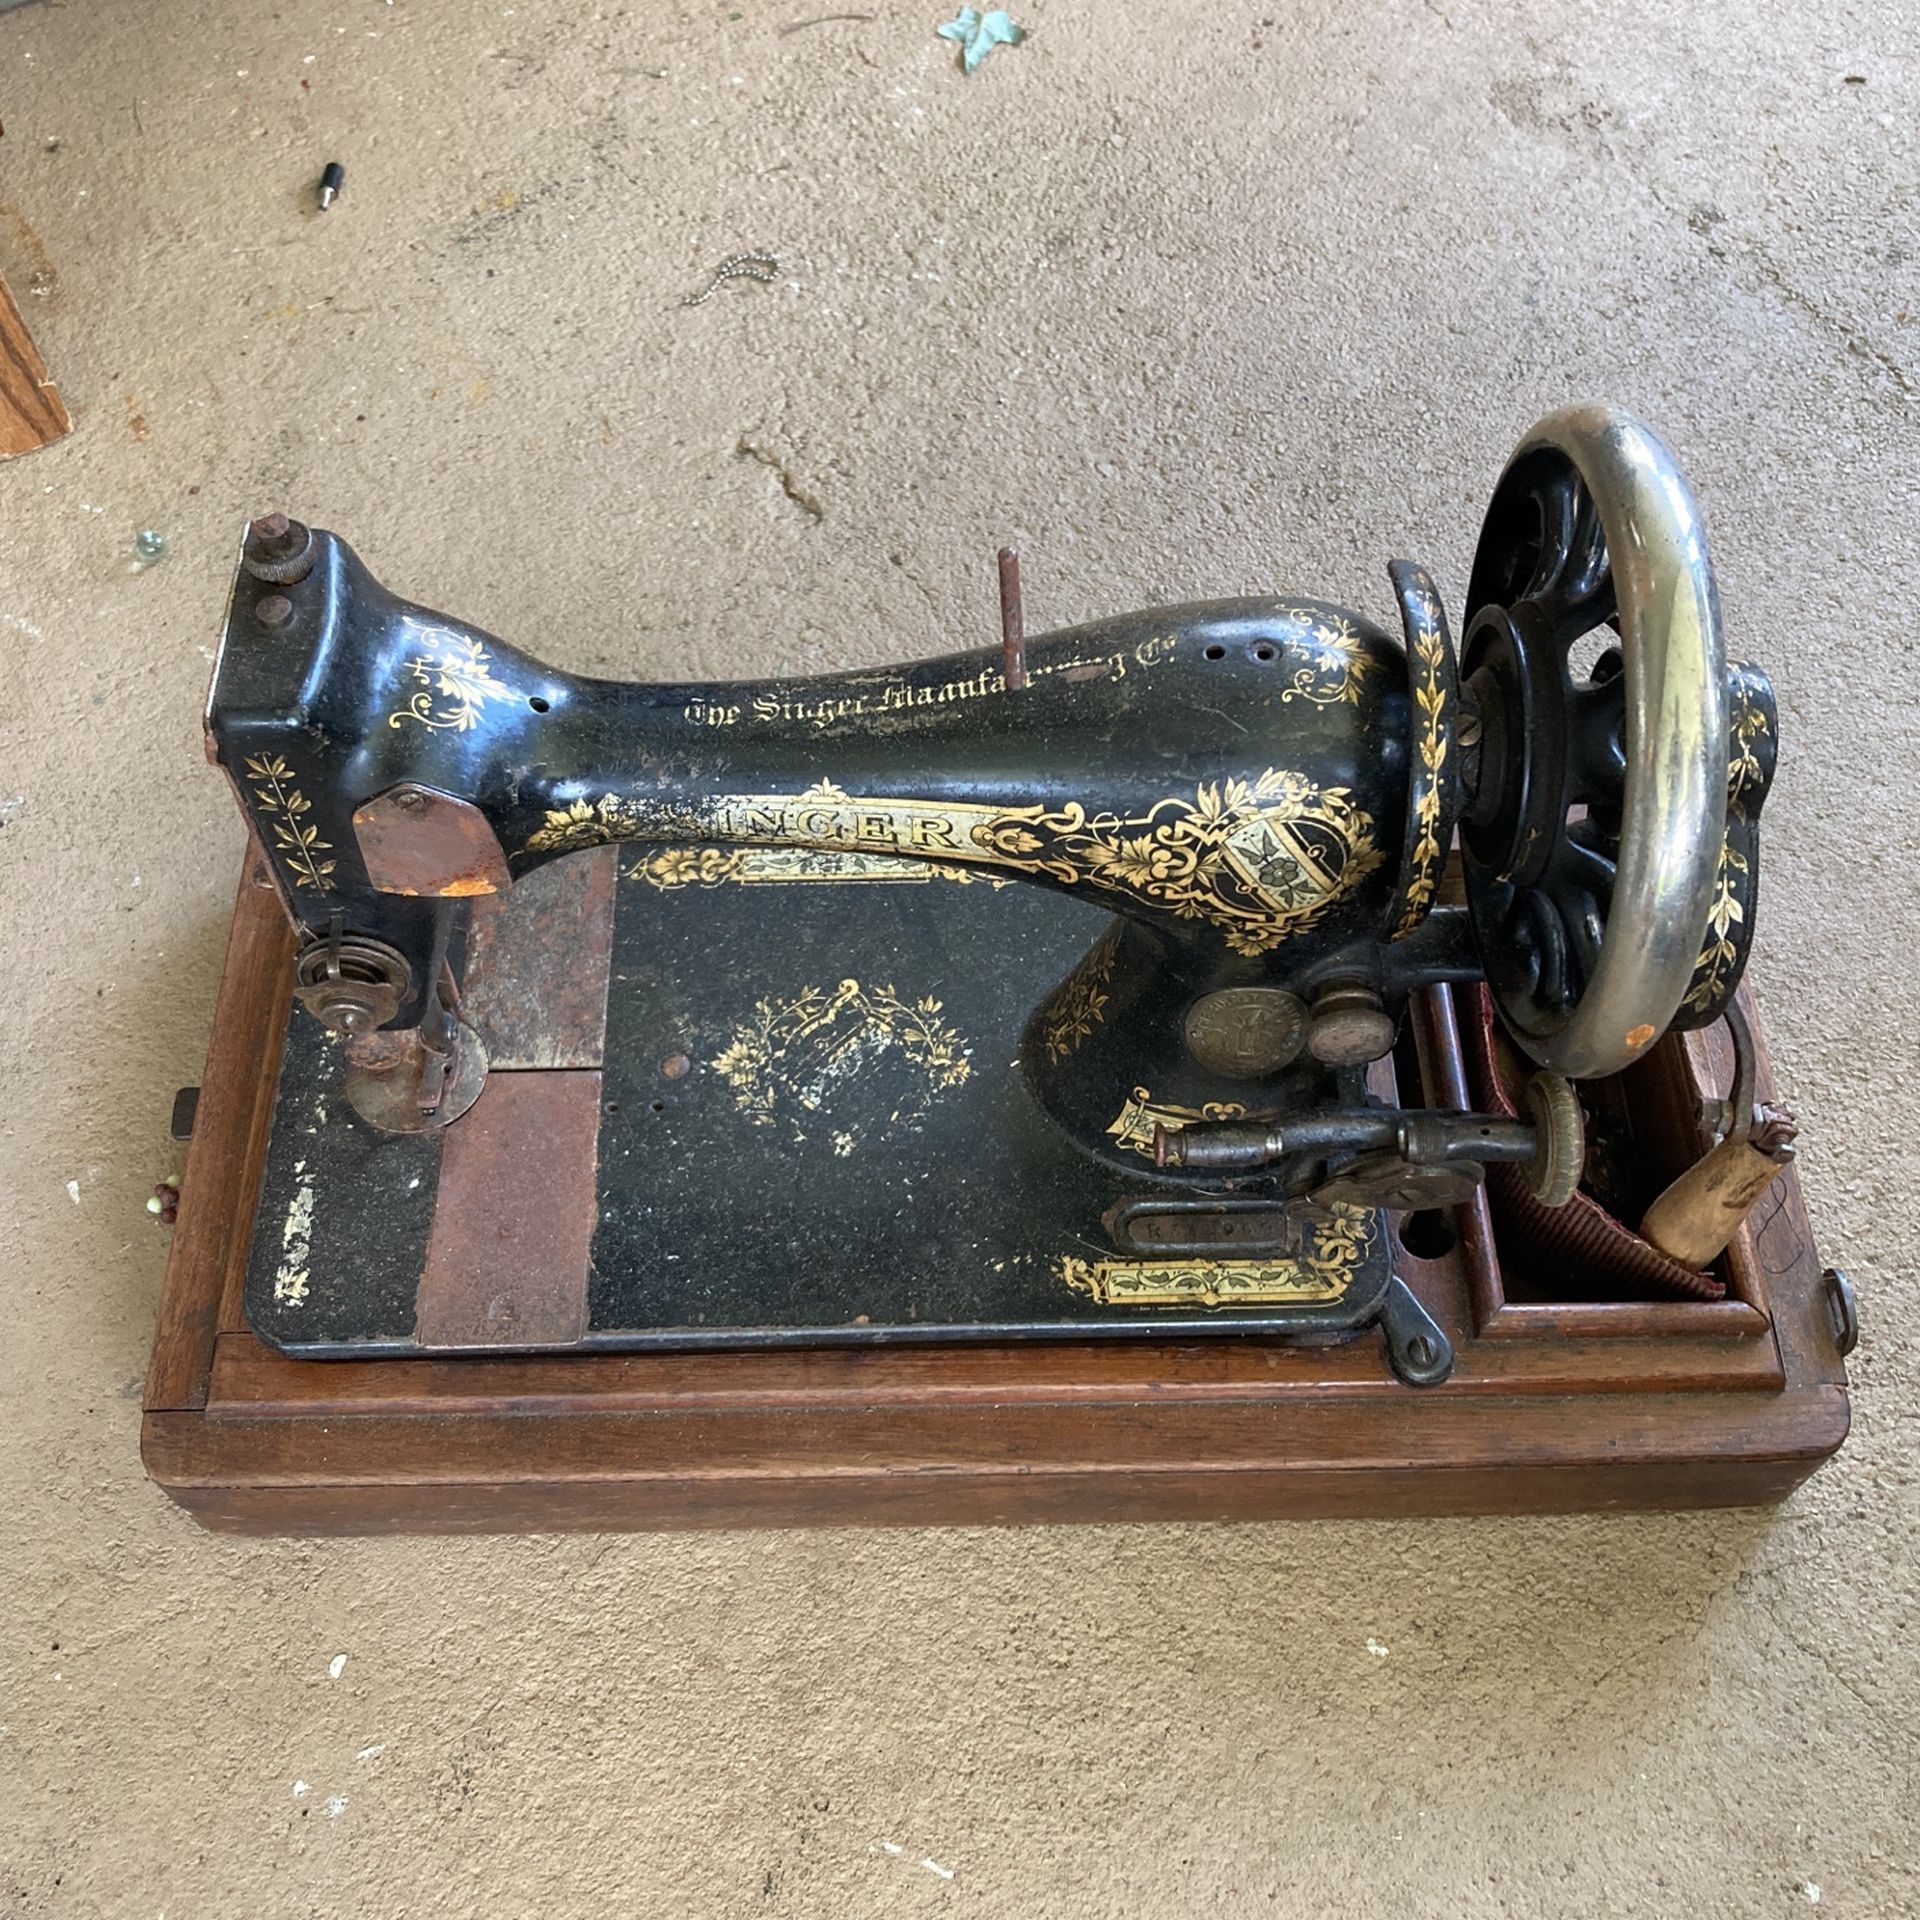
(1188,301)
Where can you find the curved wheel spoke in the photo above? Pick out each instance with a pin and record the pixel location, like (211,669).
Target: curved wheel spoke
(1558,498)
(1585,931)
(1587,566)
(1516,922)
(1596,742)
(1580,885)
(1571,619)
(1582,867)
(1549,936)
(1572,584)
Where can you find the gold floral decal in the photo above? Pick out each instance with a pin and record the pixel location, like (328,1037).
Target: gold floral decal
(802,1049)
(1743,766)
(1133,1126)
(1081,1004)
(1343,1237)
(689,867)
(455,682)
(295,839)
(587,823)
(1430,700)
(1720,954)
(1259,859)
(1338,660)
(1721,951)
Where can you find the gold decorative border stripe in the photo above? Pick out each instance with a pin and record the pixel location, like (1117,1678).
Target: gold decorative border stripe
(1427,682)
(674,867)
(1341,1241)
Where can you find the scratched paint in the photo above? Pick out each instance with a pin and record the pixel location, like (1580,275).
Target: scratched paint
(296,1241)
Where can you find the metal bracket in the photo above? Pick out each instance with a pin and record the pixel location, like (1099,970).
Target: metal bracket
(1843,1309)
(1418,1352)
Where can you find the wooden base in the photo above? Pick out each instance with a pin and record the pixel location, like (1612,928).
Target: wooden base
(32,414)
(1551,1408)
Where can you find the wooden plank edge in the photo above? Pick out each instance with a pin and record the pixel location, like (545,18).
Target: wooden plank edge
(1006,1498)
(224,1157)
(1701,1432)
(1624,1319)
(251,1380)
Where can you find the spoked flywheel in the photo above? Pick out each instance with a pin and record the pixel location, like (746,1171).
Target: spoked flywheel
(1596,809)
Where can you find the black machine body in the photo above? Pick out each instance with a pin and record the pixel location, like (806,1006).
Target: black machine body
(1099,935)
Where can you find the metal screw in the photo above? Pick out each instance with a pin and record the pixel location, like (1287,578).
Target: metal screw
(272,533)
(149,545)
(278,550)
(274,611)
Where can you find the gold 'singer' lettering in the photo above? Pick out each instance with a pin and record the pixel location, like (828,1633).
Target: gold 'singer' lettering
(1257,859)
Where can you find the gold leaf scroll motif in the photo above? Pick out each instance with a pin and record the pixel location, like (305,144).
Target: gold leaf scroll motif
(455,682)
(1257,859)
(1081,1004)
(295,839)
(1338,661)
(1133,1126)
(1342,1238)
(1721,952)
(799,1051)
(1717,957)
(1743,764)
(1429,699)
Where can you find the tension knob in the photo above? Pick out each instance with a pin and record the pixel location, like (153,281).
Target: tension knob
(1349,1027)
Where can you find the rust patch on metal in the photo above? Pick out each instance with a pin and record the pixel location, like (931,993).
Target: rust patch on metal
(395,1082)
(538,958)
(417,840)
(1013,622)
(513,1222)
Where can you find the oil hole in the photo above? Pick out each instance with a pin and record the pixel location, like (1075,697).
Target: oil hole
(1429,1234)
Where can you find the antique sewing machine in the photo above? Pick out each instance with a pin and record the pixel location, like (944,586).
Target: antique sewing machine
(1058,992)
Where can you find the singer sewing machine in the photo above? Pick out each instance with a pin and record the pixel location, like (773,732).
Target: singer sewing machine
(1054,992)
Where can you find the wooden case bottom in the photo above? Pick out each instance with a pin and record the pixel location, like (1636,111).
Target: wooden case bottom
(1551,1407)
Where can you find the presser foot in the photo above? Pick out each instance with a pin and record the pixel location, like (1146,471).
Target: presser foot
(400,1082)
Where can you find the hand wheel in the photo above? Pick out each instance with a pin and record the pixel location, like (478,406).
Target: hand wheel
(1597,799)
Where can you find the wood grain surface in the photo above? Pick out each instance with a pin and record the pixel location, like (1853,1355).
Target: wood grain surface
(1549,1409)
(32,414)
